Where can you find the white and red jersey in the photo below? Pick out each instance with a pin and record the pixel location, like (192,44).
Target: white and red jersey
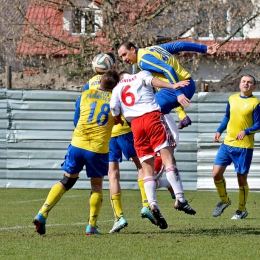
(133,96)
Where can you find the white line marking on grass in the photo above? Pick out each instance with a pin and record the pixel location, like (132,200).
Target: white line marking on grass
(16,227)
(58,225)
(29,201)
(70,196)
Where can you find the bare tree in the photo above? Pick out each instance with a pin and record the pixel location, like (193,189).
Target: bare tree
(64,35)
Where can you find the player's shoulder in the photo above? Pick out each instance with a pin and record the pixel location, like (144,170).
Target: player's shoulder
(97,91)
(255,100)
(96,77)
(234,96)
(143,73)
(143,51)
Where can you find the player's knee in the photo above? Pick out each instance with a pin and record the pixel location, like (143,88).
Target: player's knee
(114,174)
(67,182)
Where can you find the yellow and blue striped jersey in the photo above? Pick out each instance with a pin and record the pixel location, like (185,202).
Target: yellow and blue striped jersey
(94,127)
(242,114)
(151,55)
(159,60)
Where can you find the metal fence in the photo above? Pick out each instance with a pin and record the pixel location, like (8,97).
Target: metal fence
(36,128)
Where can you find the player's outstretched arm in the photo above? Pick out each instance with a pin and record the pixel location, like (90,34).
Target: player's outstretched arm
(212,49)
(181,84)
(157,83)
(182,99)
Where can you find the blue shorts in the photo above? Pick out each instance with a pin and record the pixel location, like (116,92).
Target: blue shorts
(167,98)
(121,144)
(76,158)
(241,157)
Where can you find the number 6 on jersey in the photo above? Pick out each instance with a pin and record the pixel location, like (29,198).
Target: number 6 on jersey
(128,98)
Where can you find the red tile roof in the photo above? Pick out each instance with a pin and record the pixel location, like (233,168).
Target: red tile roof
(233,47)
(48,21)
(43,24)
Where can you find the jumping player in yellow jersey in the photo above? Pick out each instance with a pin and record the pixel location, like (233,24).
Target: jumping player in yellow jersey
(159,60)
(89,147)
(242,121)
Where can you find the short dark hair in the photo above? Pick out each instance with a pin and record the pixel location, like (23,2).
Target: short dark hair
(249,75)
(109,80)
(127,44)
(112,55)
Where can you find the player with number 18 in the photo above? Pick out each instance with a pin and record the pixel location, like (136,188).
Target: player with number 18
(89,147)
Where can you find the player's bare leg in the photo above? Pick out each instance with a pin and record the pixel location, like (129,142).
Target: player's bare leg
(116,197)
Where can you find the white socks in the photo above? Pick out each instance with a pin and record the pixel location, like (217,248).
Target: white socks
(174,178)
(150,187)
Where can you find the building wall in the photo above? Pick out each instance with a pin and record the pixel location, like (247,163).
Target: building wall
(36,128)
(253,31)
(218,69)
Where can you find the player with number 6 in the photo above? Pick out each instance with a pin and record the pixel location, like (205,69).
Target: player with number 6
(135,99)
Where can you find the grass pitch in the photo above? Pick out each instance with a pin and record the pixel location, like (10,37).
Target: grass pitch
(187,237)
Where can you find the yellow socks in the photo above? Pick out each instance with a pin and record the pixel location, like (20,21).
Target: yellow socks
(143,194)
(242,197)
(54,196)
(180,112)
(95,203)
(221,189)
(116,203)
